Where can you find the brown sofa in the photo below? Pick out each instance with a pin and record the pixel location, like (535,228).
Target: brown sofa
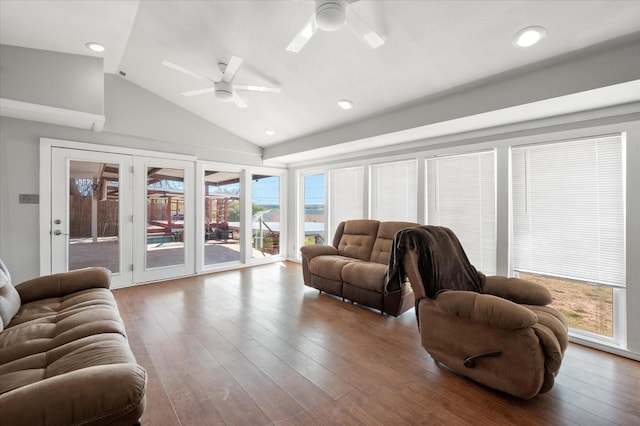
(64,355)
(355,266)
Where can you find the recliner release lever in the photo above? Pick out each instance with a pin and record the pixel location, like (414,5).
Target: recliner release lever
(470,361)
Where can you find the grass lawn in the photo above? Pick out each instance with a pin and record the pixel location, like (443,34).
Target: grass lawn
(586,307)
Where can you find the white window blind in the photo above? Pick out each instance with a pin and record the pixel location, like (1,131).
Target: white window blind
(346,195)
(568,210)
(394,191)
(461,195)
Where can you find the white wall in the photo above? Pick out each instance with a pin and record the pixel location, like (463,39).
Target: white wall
(60,80)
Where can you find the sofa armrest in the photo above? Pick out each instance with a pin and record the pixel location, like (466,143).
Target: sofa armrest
(517,290)
(485,309)
(58,285)
(105,394)
(314,250)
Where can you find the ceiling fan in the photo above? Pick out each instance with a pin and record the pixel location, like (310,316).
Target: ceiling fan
(332,15)
(223,86)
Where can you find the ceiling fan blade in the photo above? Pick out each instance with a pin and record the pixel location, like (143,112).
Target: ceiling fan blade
(257,88)
(304,35)
(232,68)
(199,91)
(177,67)
(363,31)
(239,101)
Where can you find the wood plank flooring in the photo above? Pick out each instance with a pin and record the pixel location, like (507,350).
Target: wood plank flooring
(257,347)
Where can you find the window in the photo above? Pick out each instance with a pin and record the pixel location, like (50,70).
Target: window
(314,209)
(346,195)
(394,191)
(569,225)
(461,195)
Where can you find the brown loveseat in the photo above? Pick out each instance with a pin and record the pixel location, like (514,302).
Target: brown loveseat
(64,356)
(355,266)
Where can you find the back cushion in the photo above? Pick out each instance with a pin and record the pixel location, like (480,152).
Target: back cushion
(9,300)
(358,238)
(382,247)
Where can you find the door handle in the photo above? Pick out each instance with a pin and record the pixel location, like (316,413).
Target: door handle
(58,232)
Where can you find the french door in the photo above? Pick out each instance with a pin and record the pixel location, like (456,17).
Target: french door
(91,221)
(164,215)
(131,214)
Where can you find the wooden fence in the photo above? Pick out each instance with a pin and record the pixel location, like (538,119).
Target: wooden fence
(80,217)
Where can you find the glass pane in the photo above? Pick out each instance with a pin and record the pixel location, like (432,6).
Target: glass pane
(165,217)
(314,209)
(585,306)
(265,210)
(94,215)
(221,217)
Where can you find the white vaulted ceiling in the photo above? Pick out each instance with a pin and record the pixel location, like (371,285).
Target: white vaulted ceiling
(431,47)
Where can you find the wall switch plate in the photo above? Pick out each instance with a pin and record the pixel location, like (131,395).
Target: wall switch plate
(29,198)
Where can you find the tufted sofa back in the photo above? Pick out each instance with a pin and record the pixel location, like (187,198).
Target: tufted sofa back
(381,251)
(357,239)
(366,239)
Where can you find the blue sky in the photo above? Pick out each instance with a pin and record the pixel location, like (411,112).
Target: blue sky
(314,189)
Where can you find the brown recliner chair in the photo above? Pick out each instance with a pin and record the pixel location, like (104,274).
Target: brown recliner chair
(495,330)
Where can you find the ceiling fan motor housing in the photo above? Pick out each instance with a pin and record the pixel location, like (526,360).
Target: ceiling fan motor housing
(224,91)
(331,15)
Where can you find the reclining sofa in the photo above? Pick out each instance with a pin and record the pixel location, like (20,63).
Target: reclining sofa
(64,355)
(354,267)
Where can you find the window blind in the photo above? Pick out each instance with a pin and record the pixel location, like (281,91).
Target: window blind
(568,210)
(461,195)
(346,192)
(394,191)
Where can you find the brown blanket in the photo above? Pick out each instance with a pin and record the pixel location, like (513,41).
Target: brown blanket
(443,263)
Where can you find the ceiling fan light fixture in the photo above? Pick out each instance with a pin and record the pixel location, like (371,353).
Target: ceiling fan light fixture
(331,15)
(529,36)
(224,91)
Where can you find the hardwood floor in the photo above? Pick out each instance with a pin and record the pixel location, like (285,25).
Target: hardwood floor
(256,347)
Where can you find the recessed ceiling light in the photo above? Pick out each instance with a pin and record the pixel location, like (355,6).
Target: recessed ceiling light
(96,47)
(269,132)
(345,104)
(529,36)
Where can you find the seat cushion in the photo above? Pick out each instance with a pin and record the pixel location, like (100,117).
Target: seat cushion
(368,275)
(330,267)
